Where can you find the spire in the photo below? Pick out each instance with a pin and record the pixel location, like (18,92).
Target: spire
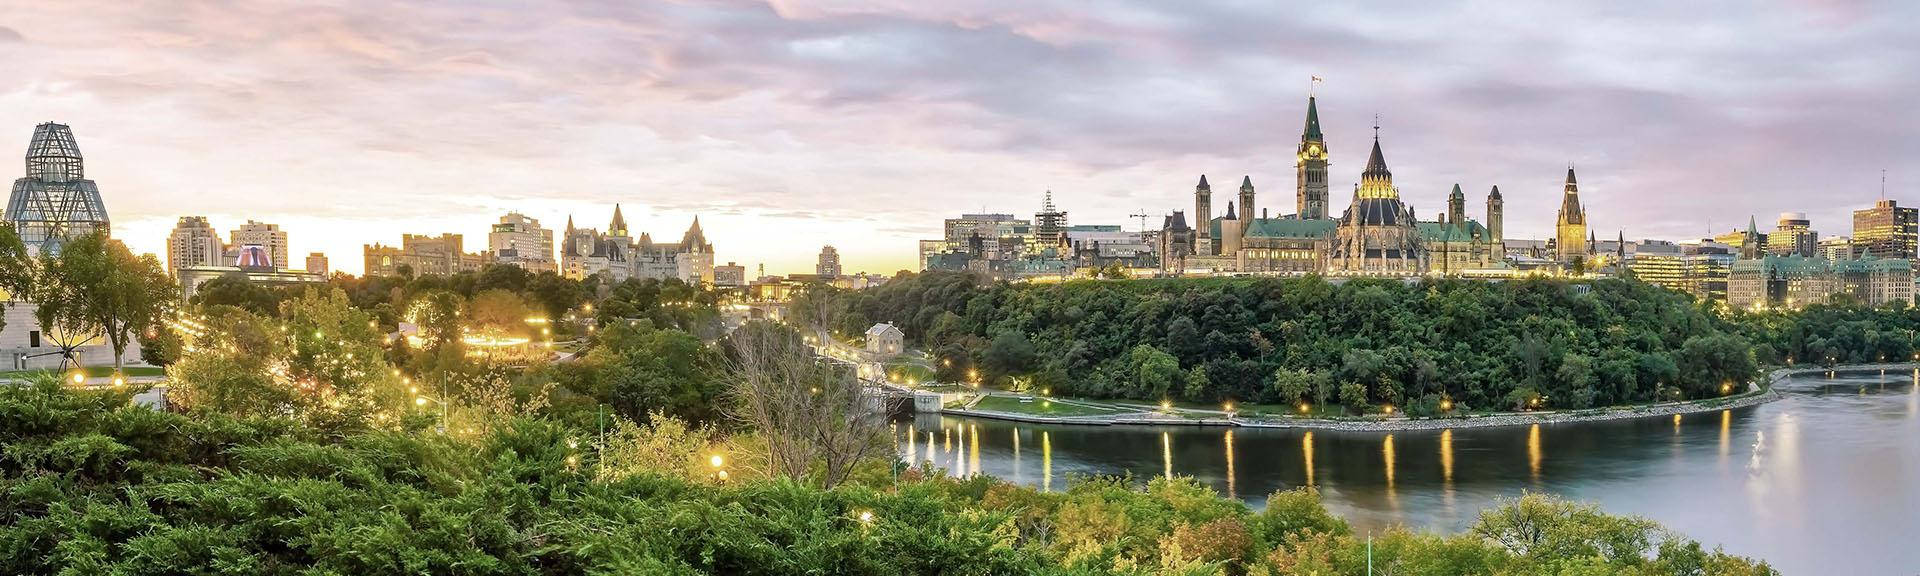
(1312,131)
(1456,194)
(618,226)
(1376,162)
(1571,183)
(1203,183)
(1246,182)
(1230,215)
(1495,194)
(1752,229)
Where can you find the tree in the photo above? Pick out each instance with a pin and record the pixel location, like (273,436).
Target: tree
(1009,354)
(1153,372)
(17,269)
(119,294)
(1707,363)
(498,312)
(809,412)
(1290,385)
(234,289)
(1199,387)
(1353,395)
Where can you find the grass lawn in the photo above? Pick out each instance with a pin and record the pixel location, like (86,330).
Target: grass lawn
(1038,407)
(92,372)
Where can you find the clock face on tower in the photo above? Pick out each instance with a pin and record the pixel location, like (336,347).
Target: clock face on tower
(1313,150)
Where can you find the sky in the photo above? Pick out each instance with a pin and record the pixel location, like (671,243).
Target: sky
(787,125)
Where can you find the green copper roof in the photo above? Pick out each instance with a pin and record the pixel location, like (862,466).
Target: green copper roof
(1313,121)
(1283,228)
(1458,231)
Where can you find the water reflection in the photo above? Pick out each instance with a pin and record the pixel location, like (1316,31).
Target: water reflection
(1306,452)
(1533,453)
(1825,469)
(1231,493)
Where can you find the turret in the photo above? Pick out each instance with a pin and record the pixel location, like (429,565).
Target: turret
(1246,196)
(1495,208)
(1202,214)
(1457,205)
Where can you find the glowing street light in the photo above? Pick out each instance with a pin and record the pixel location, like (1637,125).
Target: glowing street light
(79,377)
(865,516)
(1166,405)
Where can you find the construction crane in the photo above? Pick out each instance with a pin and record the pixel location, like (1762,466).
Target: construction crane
(1142,216)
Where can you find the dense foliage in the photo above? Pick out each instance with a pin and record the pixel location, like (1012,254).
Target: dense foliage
(1489,345)
(91,485)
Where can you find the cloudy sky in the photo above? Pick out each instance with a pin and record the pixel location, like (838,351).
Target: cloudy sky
(786,125)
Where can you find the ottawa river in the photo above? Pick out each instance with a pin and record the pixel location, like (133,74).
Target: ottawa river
(1823,481)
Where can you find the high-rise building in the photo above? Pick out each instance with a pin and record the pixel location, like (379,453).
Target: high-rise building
(521,241)
(1570,232)
(1886,230)
(55,201)
(424,255)
(1310,169)
(317,264)
(193,242)
(1793,235)
(268,236)
(829,265)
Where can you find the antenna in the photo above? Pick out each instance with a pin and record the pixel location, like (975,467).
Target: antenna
(1376,126)
(1883,183)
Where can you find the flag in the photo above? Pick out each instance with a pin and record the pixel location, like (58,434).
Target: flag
(1319,79)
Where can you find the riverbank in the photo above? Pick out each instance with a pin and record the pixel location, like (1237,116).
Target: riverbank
(1758,393)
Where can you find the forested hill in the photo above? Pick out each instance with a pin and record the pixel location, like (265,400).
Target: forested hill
(1483,345)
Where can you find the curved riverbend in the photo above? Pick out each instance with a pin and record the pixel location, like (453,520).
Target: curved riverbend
(1818,481)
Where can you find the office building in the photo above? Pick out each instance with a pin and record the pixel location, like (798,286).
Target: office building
(1793,235)
(317,264)
(1887,230)
(828,266)
(521,241)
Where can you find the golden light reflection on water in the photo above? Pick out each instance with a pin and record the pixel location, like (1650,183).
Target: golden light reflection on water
(1046,461)
(1232,492)
(1533,452)
(1446,457)
(1016,455)
(913,448)
(973,451)
(1386,453)
(1306,451)
(930,446)
(1166,453)
(1676,423)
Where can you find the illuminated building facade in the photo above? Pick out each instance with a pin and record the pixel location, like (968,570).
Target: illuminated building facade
(1887,230)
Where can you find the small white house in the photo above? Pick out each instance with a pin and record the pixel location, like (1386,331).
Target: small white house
(885,340)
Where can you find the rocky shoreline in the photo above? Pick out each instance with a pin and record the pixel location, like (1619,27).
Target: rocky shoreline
(1762,394)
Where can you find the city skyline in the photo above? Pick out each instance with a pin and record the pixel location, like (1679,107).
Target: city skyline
(780,125)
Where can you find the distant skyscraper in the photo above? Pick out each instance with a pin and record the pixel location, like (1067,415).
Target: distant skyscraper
(829,265)
(317,264)
(268,236)
(1570,233)
(521,241)
(1793,235)
(55,201)
(1310,169)
(1886,230)
(192,243)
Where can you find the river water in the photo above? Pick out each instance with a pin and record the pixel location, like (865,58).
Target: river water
(1823,481)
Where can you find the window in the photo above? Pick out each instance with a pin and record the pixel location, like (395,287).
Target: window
(33,339)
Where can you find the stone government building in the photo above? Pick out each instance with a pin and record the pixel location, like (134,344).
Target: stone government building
(1377,235)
